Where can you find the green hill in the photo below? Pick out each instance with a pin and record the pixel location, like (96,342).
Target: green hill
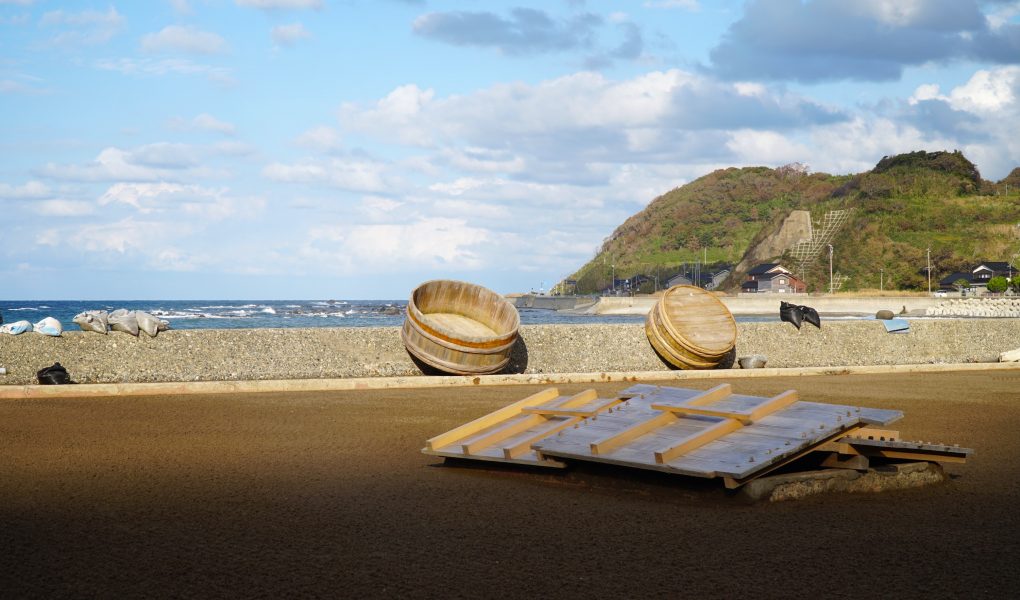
(905,205)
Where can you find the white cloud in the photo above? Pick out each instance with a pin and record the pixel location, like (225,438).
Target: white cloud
(31,189)
(181,7)
(987,91)
(691,5)
(188,200)
(210,123)
(89,27)
(64,208)
(120,236)
(321,139)
(176,38)
(152,162)
(425,243)
(166,66)
(562,129)
(765,147)
(288,35)
(280,4)
(10,86)
(355,174)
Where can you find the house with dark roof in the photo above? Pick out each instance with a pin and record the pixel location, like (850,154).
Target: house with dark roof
(978,277)
(706,280)
(772,278)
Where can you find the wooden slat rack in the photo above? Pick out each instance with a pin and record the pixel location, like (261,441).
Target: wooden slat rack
(711,433)
(507,435)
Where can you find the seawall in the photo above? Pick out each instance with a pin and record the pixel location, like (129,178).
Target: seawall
(253,354)
(768,304)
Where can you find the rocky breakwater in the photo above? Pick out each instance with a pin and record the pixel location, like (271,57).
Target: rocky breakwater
(976,307)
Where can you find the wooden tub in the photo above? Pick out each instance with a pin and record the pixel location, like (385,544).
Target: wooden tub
(460,328)
(690,328)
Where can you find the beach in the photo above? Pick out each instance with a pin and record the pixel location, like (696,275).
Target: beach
(327,494)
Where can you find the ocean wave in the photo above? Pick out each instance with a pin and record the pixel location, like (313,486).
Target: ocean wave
(24,308)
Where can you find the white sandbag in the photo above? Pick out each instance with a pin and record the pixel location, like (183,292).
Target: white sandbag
(150,324)
(124,320)
(16,327)
(48,326)
(1010,356)
(92,320)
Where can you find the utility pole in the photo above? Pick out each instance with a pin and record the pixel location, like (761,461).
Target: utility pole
(881,279)
(830,268)
(929,270)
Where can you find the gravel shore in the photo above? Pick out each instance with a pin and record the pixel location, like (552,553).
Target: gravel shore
(253,354)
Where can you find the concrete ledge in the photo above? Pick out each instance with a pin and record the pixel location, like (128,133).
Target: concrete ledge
(16,392)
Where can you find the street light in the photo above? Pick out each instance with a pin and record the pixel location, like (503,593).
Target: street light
(614,278)
(830,268)
(929,270)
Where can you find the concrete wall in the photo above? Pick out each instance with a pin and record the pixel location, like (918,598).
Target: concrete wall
(768,304)
(247,354)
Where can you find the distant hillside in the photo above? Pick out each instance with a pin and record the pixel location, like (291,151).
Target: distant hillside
(906,204)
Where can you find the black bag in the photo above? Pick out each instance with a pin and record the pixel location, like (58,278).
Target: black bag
(791,313)
(55,375)
(811,316)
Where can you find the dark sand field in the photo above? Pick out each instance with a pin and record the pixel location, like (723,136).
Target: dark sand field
(328,495)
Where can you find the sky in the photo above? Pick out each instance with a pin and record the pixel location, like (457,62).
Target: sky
(353,149)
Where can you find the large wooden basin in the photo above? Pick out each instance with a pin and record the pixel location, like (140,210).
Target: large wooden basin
(690,328)
(460,328)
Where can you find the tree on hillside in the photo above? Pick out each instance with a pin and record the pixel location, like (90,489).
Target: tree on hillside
(1015,284)
(997,284)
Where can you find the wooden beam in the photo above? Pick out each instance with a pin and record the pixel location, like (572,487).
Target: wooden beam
(568,406)
(746,417)
(711,433)
(633,432)
(502,432)
(775,403)
(490,419)
(524,446)
(836,461)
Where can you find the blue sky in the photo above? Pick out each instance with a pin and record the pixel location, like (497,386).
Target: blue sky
(270,149)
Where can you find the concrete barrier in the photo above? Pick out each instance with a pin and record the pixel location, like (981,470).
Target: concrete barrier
(768,304)
(341,353)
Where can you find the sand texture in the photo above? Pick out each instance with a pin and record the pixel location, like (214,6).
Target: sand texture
(328,495)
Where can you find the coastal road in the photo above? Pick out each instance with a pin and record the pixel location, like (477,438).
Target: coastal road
(327,495)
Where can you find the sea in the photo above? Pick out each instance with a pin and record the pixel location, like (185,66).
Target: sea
(261,314)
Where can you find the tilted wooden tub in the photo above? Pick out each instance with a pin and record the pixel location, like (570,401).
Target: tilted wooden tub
(690,328)
(460,328)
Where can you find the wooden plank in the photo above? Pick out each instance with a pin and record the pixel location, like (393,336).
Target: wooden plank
(744,416)
(697,440)
(524,446)
(620,438)
(578,405)
(837,461)
(502,432)
(461,432)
